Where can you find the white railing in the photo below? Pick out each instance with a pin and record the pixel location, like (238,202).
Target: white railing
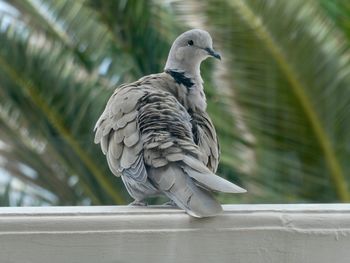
(243,233)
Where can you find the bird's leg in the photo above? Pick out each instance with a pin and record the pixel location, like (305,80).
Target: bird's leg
(138,203)
(170,203)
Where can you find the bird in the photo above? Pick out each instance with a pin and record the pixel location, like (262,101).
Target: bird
(158,137)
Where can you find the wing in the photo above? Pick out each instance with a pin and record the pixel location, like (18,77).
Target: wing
(117,132)
(205,137)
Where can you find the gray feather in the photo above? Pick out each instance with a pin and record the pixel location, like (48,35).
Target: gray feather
(166,145)
(137,171)
(159,162)
(131,139)
(118,136)
(115,147)
(113,164)
(128,158)
(126,118)
(104,144)
(174,157)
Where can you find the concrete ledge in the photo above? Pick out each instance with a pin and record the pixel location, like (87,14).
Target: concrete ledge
(243,233)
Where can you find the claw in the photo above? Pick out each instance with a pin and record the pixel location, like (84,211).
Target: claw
(170,203)
(138,203)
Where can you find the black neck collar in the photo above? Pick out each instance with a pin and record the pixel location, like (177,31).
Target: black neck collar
(180,78)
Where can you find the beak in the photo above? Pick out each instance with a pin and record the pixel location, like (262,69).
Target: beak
(213,53)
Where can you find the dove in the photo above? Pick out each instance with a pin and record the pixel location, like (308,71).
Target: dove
(158,137)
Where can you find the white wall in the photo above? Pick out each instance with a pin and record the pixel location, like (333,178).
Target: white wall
(244,233)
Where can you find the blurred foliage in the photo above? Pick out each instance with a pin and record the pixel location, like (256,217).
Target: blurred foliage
(280,100)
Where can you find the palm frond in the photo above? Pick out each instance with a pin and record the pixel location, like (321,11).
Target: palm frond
(63,122)
(78,29)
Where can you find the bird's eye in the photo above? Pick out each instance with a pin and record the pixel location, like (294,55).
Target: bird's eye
(190,42)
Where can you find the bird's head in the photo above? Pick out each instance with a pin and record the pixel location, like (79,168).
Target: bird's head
(190,49)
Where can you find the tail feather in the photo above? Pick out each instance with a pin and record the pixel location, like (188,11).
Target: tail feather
(213,182)
(181,188)
(207,179)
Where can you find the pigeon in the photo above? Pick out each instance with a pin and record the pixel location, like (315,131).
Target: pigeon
(157,135)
